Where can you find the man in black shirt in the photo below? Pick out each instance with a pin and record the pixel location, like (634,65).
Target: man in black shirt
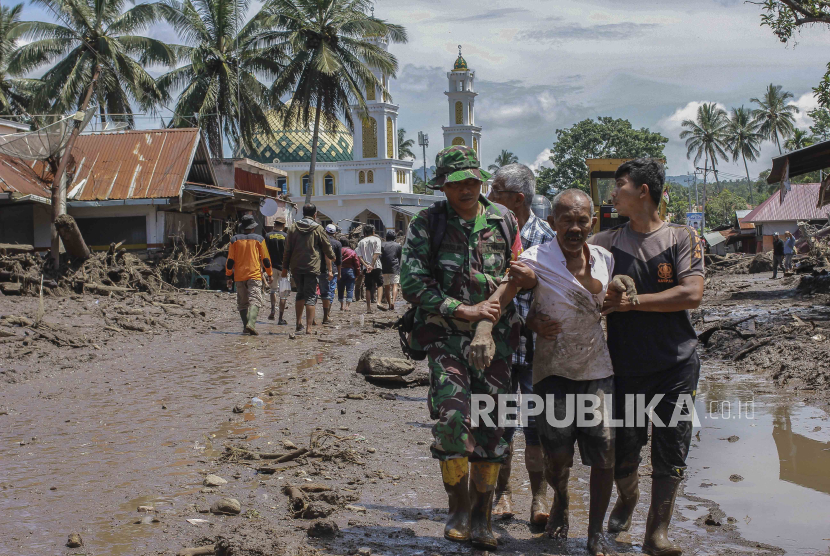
(652,345)
(275,243)
(777,255)
(328,296)
(390,263)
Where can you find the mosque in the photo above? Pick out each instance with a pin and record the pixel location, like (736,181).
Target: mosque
(358,178)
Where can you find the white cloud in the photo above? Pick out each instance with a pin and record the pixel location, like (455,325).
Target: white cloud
(672,125)
(804,103)
(542,160)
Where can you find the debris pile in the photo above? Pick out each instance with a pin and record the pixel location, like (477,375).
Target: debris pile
(739,263)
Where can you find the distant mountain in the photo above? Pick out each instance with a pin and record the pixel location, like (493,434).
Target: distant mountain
(684,180)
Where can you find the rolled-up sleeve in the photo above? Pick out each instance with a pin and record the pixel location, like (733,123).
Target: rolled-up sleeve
(418,285)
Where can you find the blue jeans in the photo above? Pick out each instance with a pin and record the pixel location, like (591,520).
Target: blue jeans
(346,283)
(521,376)
(328,287)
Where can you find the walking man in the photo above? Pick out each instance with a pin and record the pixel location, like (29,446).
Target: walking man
(572,281)
(307,248)
(777,254)
(275,241)
(247,256)
(390,262)
(331,284)
(455,254)
(652,345)
(349,271)
(514,186)
(789,251)
(368,250)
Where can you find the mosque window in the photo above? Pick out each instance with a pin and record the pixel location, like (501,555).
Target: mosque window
(470,113)
(390,141)
(458,141)
(370,138)
(282,185)
(361,177)
(305,185)
(328,183)
(459,113)
(370,92)
(475,145)
(370,177)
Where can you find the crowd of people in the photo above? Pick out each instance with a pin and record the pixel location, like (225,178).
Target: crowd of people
(311,261)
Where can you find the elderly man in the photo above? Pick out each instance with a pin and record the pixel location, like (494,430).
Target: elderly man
(455,255)
(514,186)
(572,278)
(652,345)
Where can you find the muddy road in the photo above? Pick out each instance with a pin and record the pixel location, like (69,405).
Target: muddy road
(140,419)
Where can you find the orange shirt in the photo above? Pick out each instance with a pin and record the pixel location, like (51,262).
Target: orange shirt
(246,257)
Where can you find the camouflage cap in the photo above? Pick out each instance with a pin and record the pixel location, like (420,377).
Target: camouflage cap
(456,163)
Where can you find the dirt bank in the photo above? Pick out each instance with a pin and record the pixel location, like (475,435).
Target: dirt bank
(138,416)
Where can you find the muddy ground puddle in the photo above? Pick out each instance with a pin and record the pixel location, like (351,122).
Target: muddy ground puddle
(764,458)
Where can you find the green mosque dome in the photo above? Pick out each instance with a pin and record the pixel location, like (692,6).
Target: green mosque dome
(460,64)
(293,143)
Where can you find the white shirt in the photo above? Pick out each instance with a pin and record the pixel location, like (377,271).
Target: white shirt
(367,248)
(579,352)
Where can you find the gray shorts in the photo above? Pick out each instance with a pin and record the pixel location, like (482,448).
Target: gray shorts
(596,442)
(307,285)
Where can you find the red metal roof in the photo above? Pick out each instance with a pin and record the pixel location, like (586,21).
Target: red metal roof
(139,164)
(18,178)
(799,204)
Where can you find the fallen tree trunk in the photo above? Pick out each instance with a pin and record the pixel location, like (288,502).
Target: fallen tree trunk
(71,236)
(8,276)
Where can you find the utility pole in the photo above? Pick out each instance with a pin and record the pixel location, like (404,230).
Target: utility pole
(423,141)
(688,175)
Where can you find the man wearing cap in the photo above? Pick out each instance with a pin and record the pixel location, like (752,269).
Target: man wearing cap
(275,241)
(450,282)
(247,256)
(777,254)
(330,292)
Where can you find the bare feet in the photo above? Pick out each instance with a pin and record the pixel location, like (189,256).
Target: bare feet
(557,527)
(504,505)
(598,545)
(538,513)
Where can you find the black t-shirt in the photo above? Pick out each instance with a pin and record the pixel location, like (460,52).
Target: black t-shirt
(275,242)
(777,247)
(642,342)
(337,247)
(390,257)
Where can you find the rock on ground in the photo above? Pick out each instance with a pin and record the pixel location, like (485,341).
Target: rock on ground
(370,363)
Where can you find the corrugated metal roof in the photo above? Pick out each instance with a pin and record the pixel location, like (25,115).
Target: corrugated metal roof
(17,177)
(799,204)
(809,159)
(138,164)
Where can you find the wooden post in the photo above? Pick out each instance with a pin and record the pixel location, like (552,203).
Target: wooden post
(73,241)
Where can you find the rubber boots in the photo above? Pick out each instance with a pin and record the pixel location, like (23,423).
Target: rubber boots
(504,499)
(628,490)
(456,476)
(243,313)
(250,326)
(663,494)
(483,477)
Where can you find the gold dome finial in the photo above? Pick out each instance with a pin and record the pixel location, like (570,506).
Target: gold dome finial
(460,63)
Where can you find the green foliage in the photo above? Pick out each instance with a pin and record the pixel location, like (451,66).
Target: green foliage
(405,145)
(15,93)
(94,34)
(774,116)
(605,137)
(821,123)
(721,208)
(743,140)
(678,203)
(218,80)
(419,185)
(798,140)
(330,48)
(504,158)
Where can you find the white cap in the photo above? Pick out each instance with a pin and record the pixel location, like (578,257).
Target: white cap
(331,229)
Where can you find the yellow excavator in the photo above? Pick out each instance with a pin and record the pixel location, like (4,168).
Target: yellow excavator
(601,175)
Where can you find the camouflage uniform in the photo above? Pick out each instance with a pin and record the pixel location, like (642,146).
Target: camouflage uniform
(472,261)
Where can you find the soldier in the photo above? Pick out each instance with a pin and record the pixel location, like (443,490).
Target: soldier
(455,255)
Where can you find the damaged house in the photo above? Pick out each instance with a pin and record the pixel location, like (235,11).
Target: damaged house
(145,188)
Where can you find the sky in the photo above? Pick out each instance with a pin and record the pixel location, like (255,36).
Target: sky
(543,65)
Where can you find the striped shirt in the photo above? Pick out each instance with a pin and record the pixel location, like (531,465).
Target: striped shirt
(535,232)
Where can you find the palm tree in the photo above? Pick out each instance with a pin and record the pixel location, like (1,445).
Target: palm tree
(505,158)
(98,38)
(705,138)
(743,139)
(15,93)
(799,140)
(774,116)
(333,47)
(405,145)
(218,81)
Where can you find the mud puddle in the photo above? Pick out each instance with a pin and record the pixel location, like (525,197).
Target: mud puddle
(764,458)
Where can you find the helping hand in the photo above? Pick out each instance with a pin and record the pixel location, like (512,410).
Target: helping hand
(482,348)
(522,275)
(616,302)
(486,310)
(544,326)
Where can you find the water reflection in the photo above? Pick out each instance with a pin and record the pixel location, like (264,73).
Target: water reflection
(803,461)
